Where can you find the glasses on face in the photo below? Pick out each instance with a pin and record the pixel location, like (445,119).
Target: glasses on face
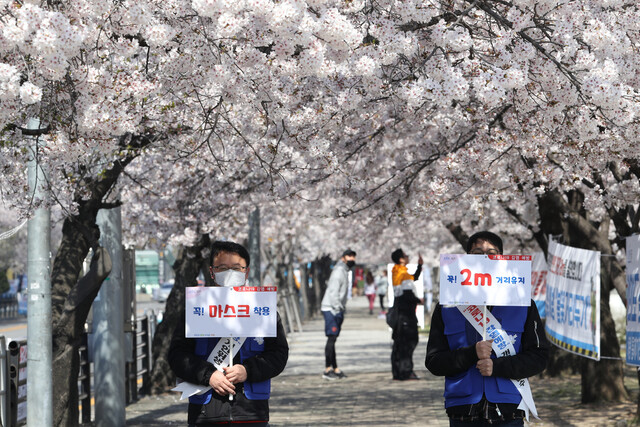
(479,251)
(222,268)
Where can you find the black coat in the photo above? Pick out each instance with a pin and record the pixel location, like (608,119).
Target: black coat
(192,368)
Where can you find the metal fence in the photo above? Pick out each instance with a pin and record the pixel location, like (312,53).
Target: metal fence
(8,306)
(13,374)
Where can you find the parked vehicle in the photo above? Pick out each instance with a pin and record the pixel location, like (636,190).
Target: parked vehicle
(161,293)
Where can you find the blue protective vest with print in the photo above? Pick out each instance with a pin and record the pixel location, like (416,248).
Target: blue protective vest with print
(468,387)
(250,347)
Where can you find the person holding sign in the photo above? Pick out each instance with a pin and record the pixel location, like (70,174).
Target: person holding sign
(481,388)
(333,307)
(236,392)
(405,331)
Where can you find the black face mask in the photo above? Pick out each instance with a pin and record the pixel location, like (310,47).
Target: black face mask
(350,264)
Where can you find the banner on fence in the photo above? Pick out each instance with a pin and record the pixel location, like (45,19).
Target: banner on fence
(573,300)
(539,282)
(245,311)
(633,300)
(485,279)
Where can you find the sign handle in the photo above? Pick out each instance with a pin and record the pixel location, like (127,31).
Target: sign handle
(231,361)
(484,323)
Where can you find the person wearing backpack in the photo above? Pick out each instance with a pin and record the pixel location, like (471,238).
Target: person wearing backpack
(405,331)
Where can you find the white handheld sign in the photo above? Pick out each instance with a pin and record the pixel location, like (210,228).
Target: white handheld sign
(485,279)
(244,311)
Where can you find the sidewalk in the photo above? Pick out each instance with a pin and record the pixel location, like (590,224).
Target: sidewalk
(369,397)
(300,397)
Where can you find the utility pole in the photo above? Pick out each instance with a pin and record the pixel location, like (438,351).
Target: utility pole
(39,352)
(254,247)
(108,328)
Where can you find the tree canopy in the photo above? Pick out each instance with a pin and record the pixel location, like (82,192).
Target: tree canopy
(390,113)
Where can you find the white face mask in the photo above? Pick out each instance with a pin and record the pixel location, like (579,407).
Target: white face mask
(230,278)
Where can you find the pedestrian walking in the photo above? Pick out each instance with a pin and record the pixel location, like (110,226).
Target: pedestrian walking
(370,290)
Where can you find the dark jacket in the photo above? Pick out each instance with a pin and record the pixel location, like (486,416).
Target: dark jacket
(405,301)
(406,305)
(531,360)
(189,367)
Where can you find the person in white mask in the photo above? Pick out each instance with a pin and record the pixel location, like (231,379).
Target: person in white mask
(257,361)
(229,269)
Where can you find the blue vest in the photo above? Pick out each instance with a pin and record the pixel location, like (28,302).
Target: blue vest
(253,391)
(467,388)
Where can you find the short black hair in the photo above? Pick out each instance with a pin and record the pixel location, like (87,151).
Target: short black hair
(490,237)
(230,247)
(396,255)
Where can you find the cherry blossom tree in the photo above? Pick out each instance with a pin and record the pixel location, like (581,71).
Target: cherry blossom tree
(381,113)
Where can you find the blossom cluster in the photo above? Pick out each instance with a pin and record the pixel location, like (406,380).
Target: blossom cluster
(389,112)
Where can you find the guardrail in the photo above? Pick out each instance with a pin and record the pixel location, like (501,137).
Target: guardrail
(8,306)
(138,369)
(16,399)
(85,379)
(13,374)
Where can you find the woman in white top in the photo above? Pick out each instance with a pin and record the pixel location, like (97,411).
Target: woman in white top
(381,289)
(370,290)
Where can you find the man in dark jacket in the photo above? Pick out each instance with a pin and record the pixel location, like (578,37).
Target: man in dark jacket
(478,387)
(248,379)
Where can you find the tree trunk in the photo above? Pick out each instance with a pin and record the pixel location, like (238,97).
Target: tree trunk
(321,273)
(317,291)
(561,361)
(66,359)
(284,308)
(71,298)
(603,380)
(324,270)
(304,291)
(458,233)
(187,267)
(638,403)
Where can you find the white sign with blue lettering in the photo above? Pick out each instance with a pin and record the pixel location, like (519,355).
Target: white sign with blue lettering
(485,279)
(633,300)
(245,311)
(573,299)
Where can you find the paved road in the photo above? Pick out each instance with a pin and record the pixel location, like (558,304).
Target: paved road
(300,397)
(368,397)
(16,328)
